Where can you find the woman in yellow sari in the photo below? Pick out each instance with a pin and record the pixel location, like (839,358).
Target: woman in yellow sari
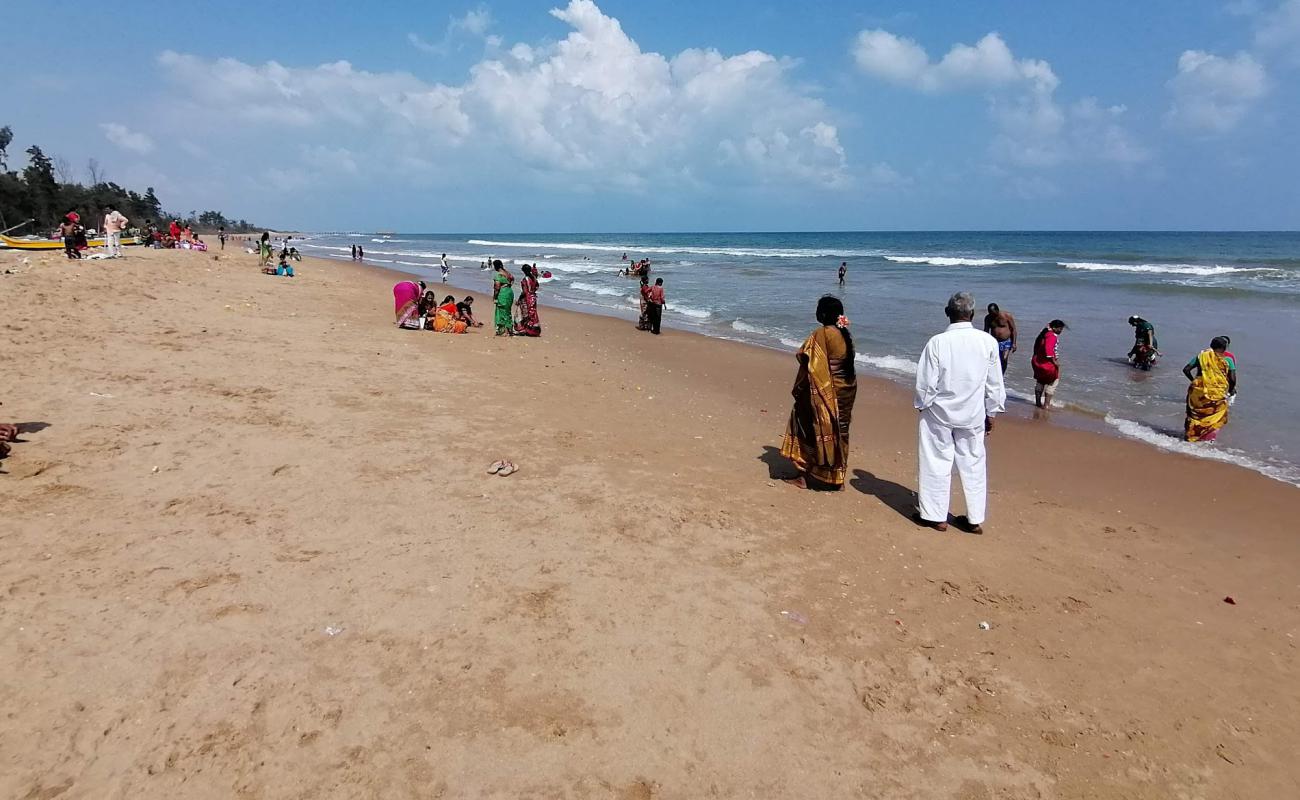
(1213,376)
(817,436)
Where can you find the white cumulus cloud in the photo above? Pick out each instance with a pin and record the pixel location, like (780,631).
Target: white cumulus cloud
(1279,31)
(1212,94)
(126,138)
(1034,129)
(987,63)
(592,108)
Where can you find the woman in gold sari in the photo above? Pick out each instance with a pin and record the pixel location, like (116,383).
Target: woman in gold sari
(1213,376)
(817,436)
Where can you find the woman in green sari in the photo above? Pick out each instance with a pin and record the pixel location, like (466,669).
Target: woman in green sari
(503,294)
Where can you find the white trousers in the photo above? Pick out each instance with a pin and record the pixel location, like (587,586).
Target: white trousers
(113,244)
(939,446)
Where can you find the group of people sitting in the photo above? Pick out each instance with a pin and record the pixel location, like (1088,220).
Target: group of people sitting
(284,269)
(417,308)
(176,236)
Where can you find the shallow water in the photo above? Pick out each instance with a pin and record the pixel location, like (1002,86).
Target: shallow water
(762,288)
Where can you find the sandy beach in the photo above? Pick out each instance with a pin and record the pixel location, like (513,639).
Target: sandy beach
(250,550)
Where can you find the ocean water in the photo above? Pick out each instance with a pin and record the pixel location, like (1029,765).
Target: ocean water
(762,288)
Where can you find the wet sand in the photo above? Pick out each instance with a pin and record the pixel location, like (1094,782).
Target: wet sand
(250,549)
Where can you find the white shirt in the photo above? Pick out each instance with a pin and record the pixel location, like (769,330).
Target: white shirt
(959,377)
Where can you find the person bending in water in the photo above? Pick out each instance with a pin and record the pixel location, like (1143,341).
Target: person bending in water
(1144,341)
(1001,326)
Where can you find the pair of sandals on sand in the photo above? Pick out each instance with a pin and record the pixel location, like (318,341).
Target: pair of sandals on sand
(502,468)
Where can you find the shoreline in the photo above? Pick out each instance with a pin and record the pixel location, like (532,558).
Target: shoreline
(1070,416)
(251,548)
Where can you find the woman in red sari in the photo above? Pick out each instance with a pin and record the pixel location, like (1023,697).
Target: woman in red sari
(529,324)
(1046,363)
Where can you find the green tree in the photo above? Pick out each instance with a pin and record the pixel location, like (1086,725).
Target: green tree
(6,139)
(44,190)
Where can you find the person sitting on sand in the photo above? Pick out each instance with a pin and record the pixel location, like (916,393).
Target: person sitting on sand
(282,269)
(465,312)
(446,318)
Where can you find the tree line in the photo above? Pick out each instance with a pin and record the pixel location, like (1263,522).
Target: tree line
(45,191)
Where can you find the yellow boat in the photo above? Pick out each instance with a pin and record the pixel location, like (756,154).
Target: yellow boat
(56,244)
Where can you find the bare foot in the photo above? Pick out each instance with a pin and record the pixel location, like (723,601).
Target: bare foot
(8,432)
(798,483)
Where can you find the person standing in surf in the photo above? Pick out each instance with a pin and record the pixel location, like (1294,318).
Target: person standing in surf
(844,269)
(1001,326)
(1213,384)
(1047,363)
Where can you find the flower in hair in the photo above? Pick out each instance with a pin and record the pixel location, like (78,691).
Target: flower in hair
(842,322)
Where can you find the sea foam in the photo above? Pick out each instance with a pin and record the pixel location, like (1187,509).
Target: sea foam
(1213,452)
(1161,269)
(951,261)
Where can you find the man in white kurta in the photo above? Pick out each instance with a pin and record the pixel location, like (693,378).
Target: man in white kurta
(958,392)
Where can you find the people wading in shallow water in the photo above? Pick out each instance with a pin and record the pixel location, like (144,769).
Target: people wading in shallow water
(817,436)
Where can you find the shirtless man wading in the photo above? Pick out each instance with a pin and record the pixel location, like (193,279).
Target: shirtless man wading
(1001,326)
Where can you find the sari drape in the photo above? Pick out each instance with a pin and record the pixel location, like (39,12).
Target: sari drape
(504,300)
(529,323)
(643,322)
(1045,347)
(817,436)
(406,302)
(1207,398)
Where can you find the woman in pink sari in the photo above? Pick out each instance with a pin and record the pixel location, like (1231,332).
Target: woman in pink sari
(529,324)
(406,303)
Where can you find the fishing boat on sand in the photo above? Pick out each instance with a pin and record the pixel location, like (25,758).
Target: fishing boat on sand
(32,243)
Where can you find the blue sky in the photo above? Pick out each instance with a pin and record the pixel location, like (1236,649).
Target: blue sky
(634,116)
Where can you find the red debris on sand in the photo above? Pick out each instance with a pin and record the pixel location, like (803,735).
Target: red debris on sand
(1230,601)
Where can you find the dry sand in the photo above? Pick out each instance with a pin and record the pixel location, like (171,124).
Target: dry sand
(250,550)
